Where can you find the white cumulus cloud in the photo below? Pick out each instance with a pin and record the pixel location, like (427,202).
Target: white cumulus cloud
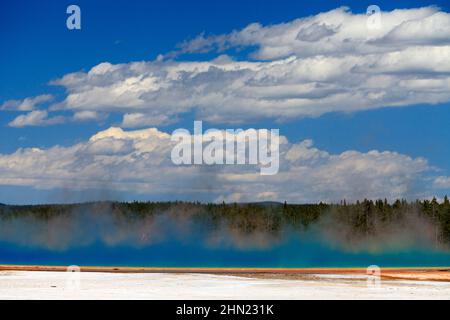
(35,118)
(328,62)
(26,104)
(139,162)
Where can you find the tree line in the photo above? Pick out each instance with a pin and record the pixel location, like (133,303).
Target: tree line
(362,217)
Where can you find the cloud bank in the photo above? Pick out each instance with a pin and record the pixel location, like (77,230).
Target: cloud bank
(330,62)
(139,161)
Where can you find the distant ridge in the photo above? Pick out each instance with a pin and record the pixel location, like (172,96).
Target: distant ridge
(266,203)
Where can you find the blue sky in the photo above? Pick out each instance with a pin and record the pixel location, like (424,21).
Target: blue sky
(38,49)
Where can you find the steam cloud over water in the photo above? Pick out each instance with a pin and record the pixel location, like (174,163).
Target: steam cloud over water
(240,227)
